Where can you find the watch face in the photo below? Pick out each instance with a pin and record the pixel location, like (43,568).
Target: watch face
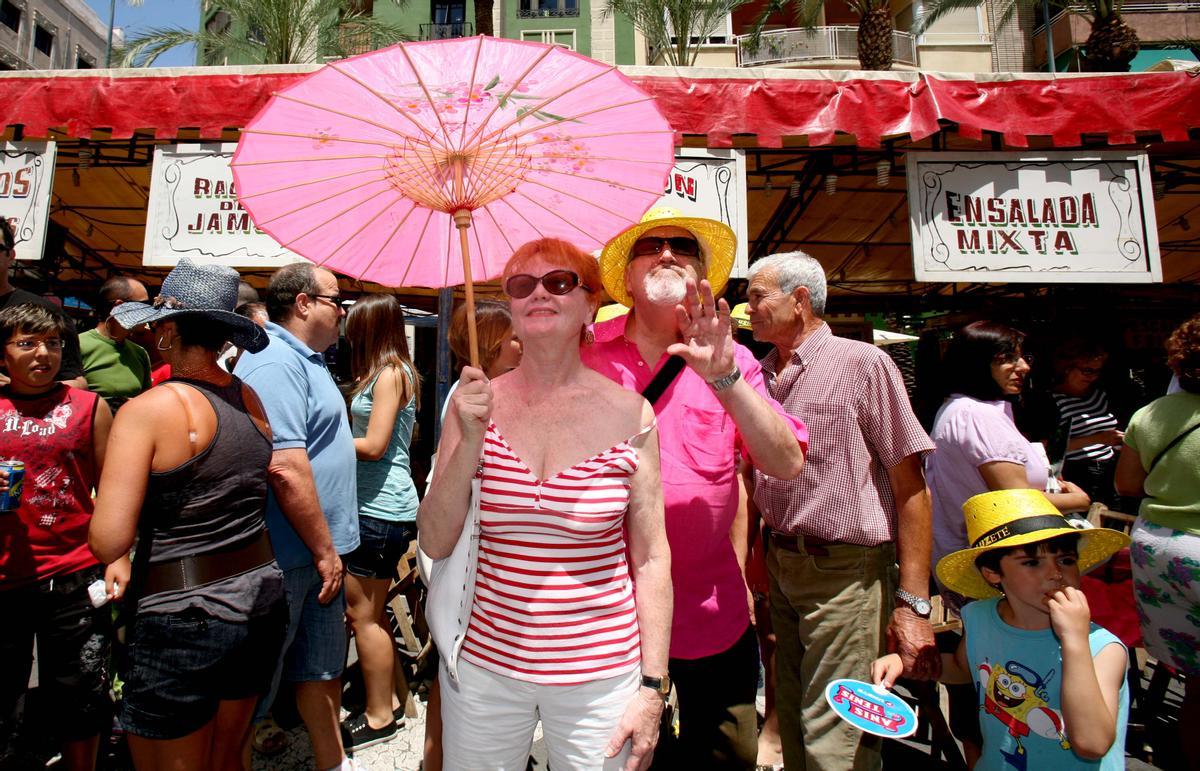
(923,607)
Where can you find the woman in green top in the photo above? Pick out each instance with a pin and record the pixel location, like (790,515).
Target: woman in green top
(382,410)
(1162,462)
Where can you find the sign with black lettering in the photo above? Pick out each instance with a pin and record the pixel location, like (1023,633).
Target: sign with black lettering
(711,184)
(26,177)
(1047,218)
(194,211)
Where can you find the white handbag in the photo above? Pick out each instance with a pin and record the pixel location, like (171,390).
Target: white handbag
(450,584)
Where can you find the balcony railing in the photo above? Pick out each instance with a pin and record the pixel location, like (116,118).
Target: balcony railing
(788,46)
(447,31)
(1126,9)
(547,13)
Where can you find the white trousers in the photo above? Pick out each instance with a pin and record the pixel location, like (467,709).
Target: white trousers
(488,721)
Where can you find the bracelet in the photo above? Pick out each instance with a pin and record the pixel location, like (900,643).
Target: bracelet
(721,383)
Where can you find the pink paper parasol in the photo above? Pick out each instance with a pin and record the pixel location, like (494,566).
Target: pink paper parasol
(369,165)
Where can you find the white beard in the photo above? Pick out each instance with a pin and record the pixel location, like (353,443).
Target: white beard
(665,287)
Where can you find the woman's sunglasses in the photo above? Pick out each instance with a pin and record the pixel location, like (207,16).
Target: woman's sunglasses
(557,282)
(680,245)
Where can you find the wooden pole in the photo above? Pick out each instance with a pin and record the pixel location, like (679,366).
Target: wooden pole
(462,220)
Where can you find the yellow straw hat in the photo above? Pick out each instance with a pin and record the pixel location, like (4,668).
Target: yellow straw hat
(718,246)
(610,311)
(740,316)
(1004,519)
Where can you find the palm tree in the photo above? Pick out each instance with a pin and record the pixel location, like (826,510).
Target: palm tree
(1110,47)
(658,20)
(269,32)
(874,36)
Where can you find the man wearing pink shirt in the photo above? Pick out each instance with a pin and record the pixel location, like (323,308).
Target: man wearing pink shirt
(668,269)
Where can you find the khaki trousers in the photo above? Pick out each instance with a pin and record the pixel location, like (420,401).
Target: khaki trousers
(830,611)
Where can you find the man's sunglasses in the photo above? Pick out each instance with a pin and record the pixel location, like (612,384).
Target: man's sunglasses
(680,245)
(557,282)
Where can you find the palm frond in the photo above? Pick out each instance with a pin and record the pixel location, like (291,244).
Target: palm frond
(670,26)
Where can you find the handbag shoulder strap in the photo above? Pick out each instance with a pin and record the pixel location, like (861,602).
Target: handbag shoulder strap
(1174,442)
(663,379)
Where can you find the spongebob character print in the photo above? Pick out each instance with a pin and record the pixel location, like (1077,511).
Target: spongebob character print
(1019,684)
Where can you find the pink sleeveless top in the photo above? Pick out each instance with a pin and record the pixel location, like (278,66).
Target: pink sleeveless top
(554,600)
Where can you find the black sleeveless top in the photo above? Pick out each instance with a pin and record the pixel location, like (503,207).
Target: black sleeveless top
(214,501)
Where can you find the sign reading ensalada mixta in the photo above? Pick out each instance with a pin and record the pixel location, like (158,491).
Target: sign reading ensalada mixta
(1047,218)
(194,212)
(26,176)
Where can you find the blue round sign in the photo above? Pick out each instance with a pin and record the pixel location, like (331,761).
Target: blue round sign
(871,708)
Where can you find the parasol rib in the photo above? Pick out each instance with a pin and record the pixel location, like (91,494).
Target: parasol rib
(550,157)
(363,227)
(606,134)
(548,210)
(577,116)
(521,214)
(527,111)
(470,92)
(383,98)
(575,175)
(424,89)
(317,137)
(507,94)
(310,159)
(306,204)
(507,243)
(308,182)
(412,258)
(332,111)
(583,200)
(391,235)
(320,225)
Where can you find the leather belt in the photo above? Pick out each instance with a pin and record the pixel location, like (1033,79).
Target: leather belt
(201,569)
(802,544)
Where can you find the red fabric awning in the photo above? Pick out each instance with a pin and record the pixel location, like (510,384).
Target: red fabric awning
(707,102)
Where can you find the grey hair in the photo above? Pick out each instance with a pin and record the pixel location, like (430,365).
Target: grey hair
(795,269)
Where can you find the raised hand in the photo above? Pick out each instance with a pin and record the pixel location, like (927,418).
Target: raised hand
(1070,615)
(707,333)
(472,402)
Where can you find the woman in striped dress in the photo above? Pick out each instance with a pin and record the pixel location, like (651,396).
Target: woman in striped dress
(572,606)
(1084,417)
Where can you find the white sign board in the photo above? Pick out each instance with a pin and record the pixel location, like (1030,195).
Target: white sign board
(26,177)
(1047,218)
(194,212)
(711,184)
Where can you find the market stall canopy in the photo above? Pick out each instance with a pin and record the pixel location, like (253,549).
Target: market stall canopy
(767,107)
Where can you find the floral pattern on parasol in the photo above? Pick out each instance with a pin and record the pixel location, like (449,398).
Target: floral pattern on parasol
(370,165)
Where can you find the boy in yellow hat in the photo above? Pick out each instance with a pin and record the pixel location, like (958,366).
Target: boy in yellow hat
(1051,684)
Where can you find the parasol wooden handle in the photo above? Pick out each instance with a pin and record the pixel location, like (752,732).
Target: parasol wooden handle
(462,221)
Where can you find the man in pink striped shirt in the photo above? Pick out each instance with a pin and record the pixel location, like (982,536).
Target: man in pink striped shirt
(668,269)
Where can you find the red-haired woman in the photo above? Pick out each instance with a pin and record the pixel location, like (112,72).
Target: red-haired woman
(382,411)
(572,600)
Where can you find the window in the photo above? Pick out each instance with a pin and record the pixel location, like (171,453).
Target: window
(720,31)
(219,23)
(558,37)
(10,16)
(534,9)
(83,64)
(43,39)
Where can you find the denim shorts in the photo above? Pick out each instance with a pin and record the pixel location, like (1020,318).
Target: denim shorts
(316,643)
(73,641)
(381,545)
(182,665)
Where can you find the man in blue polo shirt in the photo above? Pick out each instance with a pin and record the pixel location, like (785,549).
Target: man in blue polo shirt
(312,508)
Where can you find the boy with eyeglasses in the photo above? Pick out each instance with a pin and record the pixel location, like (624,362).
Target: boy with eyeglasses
(46,568)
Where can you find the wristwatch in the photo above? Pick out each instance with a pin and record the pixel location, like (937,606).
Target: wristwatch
(721,383)
(919,605)
(661,685)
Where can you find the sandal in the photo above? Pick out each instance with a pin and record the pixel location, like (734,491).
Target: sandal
(269,738)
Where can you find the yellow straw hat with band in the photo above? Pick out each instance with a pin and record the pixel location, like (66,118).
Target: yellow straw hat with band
(718,246)
(1004,519)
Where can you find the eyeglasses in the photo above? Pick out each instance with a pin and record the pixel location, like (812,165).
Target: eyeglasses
(54,344)
(557,282)
(681,246)
(336,299)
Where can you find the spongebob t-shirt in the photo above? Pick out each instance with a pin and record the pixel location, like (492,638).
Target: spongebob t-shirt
(1018,676)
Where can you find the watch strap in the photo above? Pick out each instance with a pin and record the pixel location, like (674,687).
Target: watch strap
(661,685)
(913,601)
(721,383)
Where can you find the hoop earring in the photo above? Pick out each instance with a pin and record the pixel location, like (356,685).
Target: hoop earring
(587,337)
(159,345)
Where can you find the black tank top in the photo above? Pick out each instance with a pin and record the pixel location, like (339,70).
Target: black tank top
(216,499)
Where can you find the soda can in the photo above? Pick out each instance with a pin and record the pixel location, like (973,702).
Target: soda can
(10,499)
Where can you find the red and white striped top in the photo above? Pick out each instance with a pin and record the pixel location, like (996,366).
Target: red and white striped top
(554,600)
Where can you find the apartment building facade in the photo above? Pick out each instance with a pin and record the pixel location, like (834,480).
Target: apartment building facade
(51,35)
(967,40)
